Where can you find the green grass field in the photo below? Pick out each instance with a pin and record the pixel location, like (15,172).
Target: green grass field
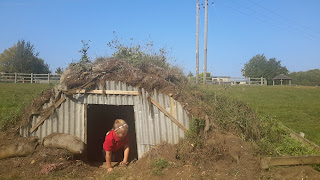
(297,107)
(14,98)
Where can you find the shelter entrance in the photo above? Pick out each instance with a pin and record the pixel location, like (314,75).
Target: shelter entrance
(100,119)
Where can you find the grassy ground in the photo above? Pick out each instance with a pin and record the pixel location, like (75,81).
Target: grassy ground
(297,107)
(14,98)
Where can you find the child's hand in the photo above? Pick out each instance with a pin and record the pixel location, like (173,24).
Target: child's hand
(109,170)
(123,163)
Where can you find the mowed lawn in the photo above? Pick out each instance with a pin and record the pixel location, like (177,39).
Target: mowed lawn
(15,97)
(297,107)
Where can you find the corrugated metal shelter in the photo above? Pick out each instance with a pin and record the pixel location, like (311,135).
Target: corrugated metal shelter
(153,124)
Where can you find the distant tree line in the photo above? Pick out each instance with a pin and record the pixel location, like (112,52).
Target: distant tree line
(260,66)
(22,58)
(306,78)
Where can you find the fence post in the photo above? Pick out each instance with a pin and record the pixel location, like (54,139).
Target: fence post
(31,78)
(48,78)
(261,81)
(15,77)
(249,80)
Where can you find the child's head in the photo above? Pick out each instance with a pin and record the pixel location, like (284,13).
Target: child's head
(121,128)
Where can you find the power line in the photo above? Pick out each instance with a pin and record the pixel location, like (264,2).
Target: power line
(249,15)
(258,5)
(278,24)
(275,20)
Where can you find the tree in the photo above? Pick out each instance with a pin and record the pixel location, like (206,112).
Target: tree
(59,70)
(22,58)
(207,75)
(84,51)
(306,78)
(190,74)
(84,64)
(259,66)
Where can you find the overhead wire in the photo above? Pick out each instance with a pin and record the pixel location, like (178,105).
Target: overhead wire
(281,23)
(265,19)
(288,21)
(249,15)
(273,12)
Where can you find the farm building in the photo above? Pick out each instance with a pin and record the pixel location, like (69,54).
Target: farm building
(88,110)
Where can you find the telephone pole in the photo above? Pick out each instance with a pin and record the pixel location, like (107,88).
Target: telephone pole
(205,44)
(197,50)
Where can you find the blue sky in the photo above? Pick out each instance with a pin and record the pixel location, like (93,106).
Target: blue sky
(288,30)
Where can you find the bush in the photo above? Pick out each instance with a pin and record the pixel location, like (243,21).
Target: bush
(193,135)
(138,54)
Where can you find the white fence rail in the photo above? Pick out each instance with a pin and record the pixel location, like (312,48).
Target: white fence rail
(29,78)
(231,81)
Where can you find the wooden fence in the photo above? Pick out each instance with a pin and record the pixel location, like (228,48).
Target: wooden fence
(231,81)
(29,78)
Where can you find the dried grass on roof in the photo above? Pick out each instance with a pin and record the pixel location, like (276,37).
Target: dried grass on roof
(79,76)
(147,75)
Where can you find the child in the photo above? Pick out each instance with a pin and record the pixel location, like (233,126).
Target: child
(116,139)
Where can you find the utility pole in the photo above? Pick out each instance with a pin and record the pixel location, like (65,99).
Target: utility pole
(205,44)
(197,50)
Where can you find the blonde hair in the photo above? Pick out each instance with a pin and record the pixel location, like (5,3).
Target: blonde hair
(120,126)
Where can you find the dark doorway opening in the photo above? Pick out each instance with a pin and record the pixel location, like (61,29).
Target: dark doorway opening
(100,119)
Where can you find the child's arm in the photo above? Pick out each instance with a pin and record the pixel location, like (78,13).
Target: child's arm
(108,160)
(126,154)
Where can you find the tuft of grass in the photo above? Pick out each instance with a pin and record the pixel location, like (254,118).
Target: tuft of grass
(116,174)
(157,165)
(14,98)
(193,135)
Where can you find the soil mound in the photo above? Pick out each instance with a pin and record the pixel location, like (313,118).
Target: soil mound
(219,155)
(223,156)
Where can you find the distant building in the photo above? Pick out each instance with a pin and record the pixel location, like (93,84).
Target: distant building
(221,79)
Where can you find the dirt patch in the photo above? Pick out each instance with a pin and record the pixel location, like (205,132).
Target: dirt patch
(39,165)
(292,173)
(223,156)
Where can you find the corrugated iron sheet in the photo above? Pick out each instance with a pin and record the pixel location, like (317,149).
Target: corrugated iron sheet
(152,125)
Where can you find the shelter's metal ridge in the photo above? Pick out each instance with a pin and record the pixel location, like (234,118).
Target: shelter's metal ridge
(152,125)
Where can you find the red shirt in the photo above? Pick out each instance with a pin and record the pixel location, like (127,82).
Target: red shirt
(112,143)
